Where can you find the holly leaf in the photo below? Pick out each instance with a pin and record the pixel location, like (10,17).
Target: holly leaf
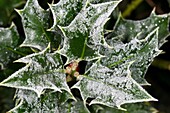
(65,11)
(129,29)
(131,108)
(42,71)
(7,9)
(142,52)
(100,1)
(36,21)
(9,38)
(51,102)
(86,31)
(111,87)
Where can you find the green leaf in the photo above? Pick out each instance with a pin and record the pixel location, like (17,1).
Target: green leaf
(100,1)
(9,38)
(142,52)
(78,33)
(144,58)
(36,21)
(49,102)
(111,87)
(65,11)
(131,108)
(7,9)
(43,71)
(129,29)
(86,31)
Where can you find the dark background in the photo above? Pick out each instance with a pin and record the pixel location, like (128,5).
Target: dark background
(158,74)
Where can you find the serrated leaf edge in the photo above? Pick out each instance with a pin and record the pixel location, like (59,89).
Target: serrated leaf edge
(119,105)
(19,11)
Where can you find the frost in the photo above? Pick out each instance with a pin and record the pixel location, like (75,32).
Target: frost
(116,64)
(39,73)
(9,38)
(142,52)
(35,21)
(62,10)
(111,87)
(52,102)
(143,27)
(84,33)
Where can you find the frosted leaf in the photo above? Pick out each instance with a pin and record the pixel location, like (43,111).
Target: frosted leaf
(43,71)
(65,11)
(78,34)
(9,38)
(111,87)
(129,29)
(49,102)
(131,108)
(85,32)
(142,52)
(35,22)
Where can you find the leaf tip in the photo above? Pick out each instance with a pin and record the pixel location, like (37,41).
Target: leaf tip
(18,11)
(1,84)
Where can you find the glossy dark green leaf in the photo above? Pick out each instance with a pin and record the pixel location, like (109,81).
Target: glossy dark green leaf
(42,71)
(9,38)
(85,32)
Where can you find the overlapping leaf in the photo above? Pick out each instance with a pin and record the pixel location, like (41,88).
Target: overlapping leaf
(49,102)
(127,52)
(128,29)
(43,71)
(65,11)
(111,87)
(9,38)
(86,31)
(142,52)
(36,21)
